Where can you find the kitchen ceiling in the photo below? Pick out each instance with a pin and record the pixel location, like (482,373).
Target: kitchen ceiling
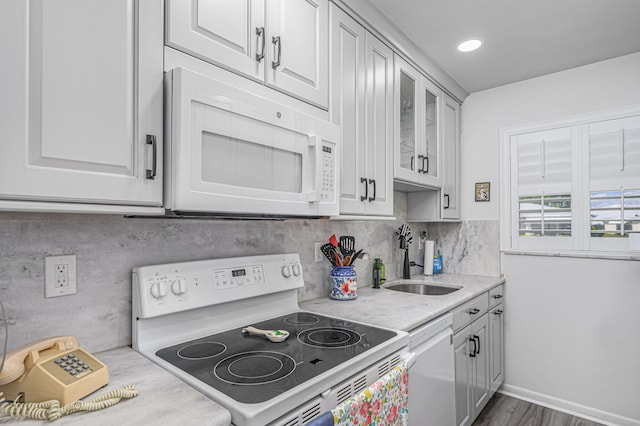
(521,39)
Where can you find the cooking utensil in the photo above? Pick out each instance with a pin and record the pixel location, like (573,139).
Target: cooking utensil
(273,335)
(335,258)
(327,249)
(347,245)
(354,256)
(333,240)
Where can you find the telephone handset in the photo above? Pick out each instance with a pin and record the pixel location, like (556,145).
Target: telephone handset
(53,368)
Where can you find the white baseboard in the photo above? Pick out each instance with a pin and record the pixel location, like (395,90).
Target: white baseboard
(568,407)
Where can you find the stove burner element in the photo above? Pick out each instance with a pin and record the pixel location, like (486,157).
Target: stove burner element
(302,319)
(255,368)
(329,337)
(202,350)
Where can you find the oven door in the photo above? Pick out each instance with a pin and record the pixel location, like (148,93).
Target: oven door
(232,152)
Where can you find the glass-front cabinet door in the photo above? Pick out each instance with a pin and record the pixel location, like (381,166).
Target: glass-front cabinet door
(407,120)
(417,132)
(429,166)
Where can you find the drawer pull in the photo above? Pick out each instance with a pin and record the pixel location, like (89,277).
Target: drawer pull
(497,312)
(473,311)
(497,296)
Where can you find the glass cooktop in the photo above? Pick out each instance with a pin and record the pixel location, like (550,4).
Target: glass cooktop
(252,369)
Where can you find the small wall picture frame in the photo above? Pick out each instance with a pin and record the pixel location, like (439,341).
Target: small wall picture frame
(483,191)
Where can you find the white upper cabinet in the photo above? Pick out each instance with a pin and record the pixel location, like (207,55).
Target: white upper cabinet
(281,43)
(228,33)
(362,104)
(417,134)
(450,203)
(81,105)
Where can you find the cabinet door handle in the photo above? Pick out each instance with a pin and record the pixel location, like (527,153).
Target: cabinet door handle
(366,189)
(497,296)
(497,312)
(473,311)
(421,159)
(446,197)
(472,354)
(261,35)
(477,338)
(151,140)
(373,181)
(276,42)
(412,165)
(425,170)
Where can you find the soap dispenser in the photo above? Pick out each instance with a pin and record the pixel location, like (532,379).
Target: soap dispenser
(378,273)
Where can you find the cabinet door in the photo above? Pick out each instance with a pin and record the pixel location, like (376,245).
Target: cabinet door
(379,128)
(408,145)
(298,48)
(496,336)
(73,112)
(348,107)
(480,371)
(429,164)
(463,363)
(451,158)
(228,33)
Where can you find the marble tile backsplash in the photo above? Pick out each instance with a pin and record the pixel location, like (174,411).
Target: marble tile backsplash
(107,247)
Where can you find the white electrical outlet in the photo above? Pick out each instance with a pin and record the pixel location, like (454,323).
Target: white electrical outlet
(318,253)
(60,275)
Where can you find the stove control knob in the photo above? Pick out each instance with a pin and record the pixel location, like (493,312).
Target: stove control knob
(286,271)
(296,270)
(159,289)
(179,287)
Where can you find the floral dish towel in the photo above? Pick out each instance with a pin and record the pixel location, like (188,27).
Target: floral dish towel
(385,403)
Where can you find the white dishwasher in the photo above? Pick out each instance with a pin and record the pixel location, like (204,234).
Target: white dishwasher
(432,376)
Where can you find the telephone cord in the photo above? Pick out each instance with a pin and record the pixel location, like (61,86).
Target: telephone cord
(51,410)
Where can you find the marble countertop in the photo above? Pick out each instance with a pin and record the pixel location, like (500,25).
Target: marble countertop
(399,310)
(163,399)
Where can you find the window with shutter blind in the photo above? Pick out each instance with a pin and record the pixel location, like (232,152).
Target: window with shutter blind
(574,186)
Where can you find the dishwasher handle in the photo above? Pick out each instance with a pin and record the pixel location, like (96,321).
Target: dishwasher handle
(409,358)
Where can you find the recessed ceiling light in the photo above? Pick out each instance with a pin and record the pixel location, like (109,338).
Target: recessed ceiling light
(469,45)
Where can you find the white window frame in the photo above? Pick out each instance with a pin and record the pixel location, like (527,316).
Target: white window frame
(579,244)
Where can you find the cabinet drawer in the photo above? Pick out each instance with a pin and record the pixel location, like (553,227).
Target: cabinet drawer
(496,295)
(471,310)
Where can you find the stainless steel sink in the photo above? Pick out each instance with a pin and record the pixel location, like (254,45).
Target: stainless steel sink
(423,288)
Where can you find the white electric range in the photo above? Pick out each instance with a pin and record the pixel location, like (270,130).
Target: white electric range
(188,318)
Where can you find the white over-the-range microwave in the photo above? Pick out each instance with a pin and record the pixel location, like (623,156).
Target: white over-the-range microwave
(230,152)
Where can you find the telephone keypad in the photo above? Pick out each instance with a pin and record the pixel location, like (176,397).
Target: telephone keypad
(72,364)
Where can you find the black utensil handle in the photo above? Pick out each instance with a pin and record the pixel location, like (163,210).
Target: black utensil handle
(366,189)
(151,140)
(373,181)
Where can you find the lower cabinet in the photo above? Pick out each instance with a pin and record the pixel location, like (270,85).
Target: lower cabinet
(472,370)
(496,346)
(478,342)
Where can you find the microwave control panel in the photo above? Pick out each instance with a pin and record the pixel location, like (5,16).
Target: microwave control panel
(328,174)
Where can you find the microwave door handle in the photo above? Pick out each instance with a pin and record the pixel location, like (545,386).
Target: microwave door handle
(313,196)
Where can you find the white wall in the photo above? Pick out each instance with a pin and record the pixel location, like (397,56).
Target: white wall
(604,85)
(572,325)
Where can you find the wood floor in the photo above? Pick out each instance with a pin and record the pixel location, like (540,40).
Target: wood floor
(504,410)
